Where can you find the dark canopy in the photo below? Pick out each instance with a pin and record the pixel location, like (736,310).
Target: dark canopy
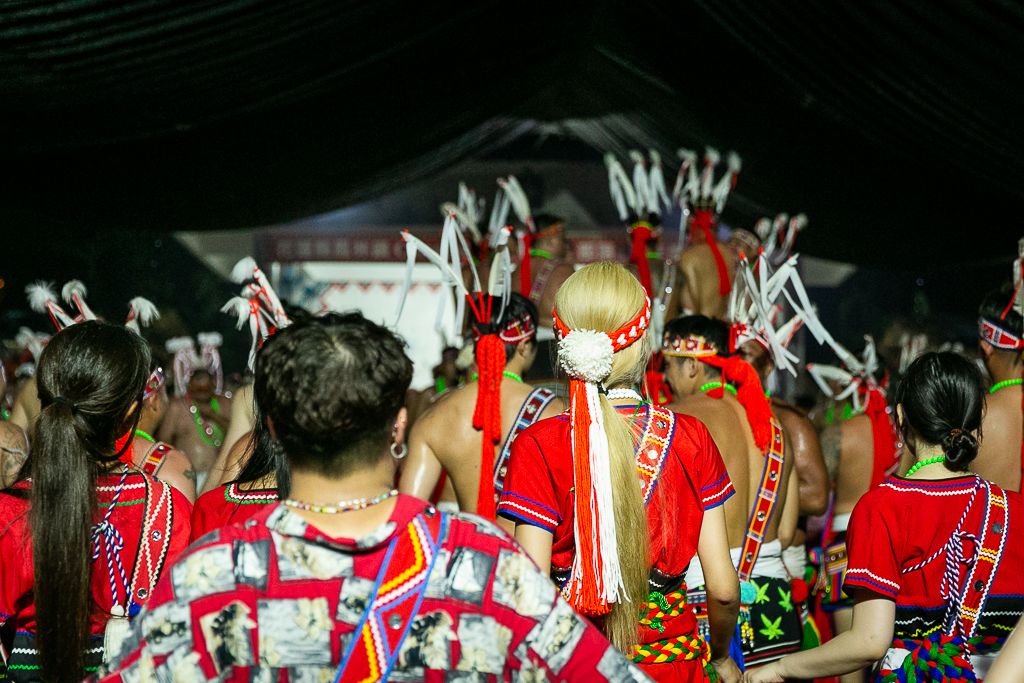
(894,124)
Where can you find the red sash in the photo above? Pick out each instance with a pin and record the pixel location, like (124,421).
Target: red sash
(154,541)
(767,495)
(991,541)
(373,649)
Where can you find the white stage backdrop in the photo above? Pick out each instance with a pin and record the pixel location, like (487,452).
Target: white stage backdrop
(374,290)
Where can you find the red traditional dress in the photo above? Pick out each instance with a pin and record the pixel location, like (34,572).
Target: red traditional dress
(932,545)
(675,451)
(226,505)
(426,597)
(150,519)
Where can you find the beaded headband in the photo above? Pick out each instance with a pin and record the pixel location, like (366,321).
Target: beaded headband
(693,346)
(998,337)
(513,332)
(620,338)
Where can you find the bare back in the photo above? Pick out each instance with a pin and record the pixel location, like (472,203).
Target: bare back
(444,438)
(807,459)
(726,419)
(1002,429)
(852,440)
(13,452)
(698,277)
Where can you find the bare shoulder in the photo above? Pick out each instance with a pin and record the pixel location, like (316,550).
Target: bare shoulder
(443,409)
(1005,401)
(12,436)
(13,452)
(793,419)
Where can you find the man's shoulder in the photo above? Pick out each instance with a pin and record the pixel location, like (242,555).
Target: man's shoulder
(1004,402)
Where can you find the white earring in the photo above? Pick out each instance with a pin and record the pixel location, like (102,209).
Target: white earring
(401,451)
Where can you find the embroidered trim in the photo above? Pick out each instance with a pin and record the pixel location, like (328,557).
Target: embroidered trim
(233,494)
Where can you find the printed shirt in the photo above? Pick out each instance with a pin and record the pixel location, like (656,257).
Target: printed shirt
(539,491)
(226,505)
(17,605)
(906,521)
(274,599)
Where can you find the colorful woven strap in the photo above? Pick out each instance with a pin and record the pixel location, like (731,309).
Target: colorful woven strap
(394,603)
(540,283)
(653,447)
(154,459)
(529,413)
(767,495)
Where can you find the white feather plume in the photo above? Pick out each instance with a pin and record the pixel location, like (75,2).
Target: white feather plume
(240,307)
(142,313)
(74,292)
(641,186)
(39,295)
(243,270)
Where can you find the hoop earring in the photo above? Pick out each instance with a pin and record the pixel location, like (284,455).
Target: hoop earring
(401,452)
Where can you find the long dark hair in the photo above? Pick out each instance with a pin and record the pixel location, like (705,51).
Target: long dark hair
(89,375)
(943,400)
(264,456)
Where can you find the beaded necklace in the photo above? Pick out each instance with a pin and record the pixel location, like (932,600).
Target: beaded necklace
(923,463)
(718,385)
(144,435)
(343,506)
(541,252)
(1005,383)
(510,375)
(212,435)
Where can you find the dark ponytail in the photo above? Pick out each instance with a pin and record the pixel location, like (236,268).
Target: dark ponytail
(88,377)
(943,400)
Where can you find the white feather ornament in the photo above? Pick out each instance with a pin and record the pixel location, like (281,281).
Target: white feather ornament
(141,313)
(244,270)
(74,292)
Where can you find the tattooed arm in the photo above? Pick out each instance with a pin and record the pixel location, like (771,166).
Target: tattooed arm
(13,451)
(831,447)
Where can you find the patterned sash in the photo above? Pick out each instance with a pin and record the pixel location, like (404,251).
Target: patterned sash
(154,459)
(529,413)
(947,653)
(397,594)
(154,542)
(541,281)
(653,447)
(685,647)
(767,495)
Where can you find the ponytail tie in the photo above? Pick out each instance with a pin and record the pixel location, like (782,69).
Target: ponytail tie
(953,433)
(69,404)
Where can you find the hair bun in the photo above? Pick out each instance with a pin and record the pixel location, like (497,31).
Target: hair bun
(960,448)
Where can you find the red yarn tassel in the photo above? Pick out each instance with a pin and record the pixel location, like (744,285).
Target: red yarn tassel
(641,233)
(883,447)
(525,277)
(704,220)
(490,360)
(750,393)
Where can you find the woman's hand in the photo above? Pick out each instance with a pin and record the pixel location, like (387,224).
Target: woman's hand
(727,670)
(769,673)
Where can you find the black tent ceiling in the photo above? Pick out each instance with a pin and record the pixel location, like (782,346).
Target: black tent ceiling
(896,125)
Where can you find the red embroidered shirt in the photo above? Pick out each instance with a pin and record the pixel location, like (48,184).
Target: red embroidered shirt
(167,509)
(226,505)
(904,522)
(274,599)
(539,491)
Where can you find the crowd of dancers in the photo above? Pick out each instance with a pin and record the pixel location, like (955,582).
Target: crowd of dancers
(599,486)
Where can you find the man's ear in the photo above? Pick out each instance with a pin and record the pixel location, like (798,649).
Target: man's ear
(986,348)
(691,366)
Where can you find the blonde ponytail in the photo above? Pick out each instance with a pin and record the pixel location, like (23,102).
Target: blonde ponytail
(604,297)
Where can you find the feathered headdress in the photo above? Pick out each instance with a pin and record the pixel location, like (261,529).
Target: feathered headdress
(141,313)
(185,361)
(512,193)
(779,235)
(41,299)
(490,349)
(258,304)
(702,200)
(209,357)
(74,293)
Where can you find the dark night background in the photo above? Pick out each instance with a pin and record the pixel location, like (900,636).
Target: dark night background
(896,126)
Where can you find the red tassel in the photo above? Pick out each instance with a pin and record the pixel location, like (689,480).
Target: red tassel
(704,221)
(750,393)
(641,233)
(490,360)
(525,277)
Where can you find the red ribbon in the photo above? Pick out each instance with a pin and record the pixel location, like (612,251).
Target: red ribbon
(882,436)
(525,277)
(749,392)
(704,220)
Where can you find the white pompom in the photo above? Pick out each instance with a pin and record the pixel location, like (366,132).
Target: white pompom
(586,354)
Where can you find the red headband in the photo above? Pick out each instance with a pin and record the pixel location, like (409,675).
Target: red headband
(998,337)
